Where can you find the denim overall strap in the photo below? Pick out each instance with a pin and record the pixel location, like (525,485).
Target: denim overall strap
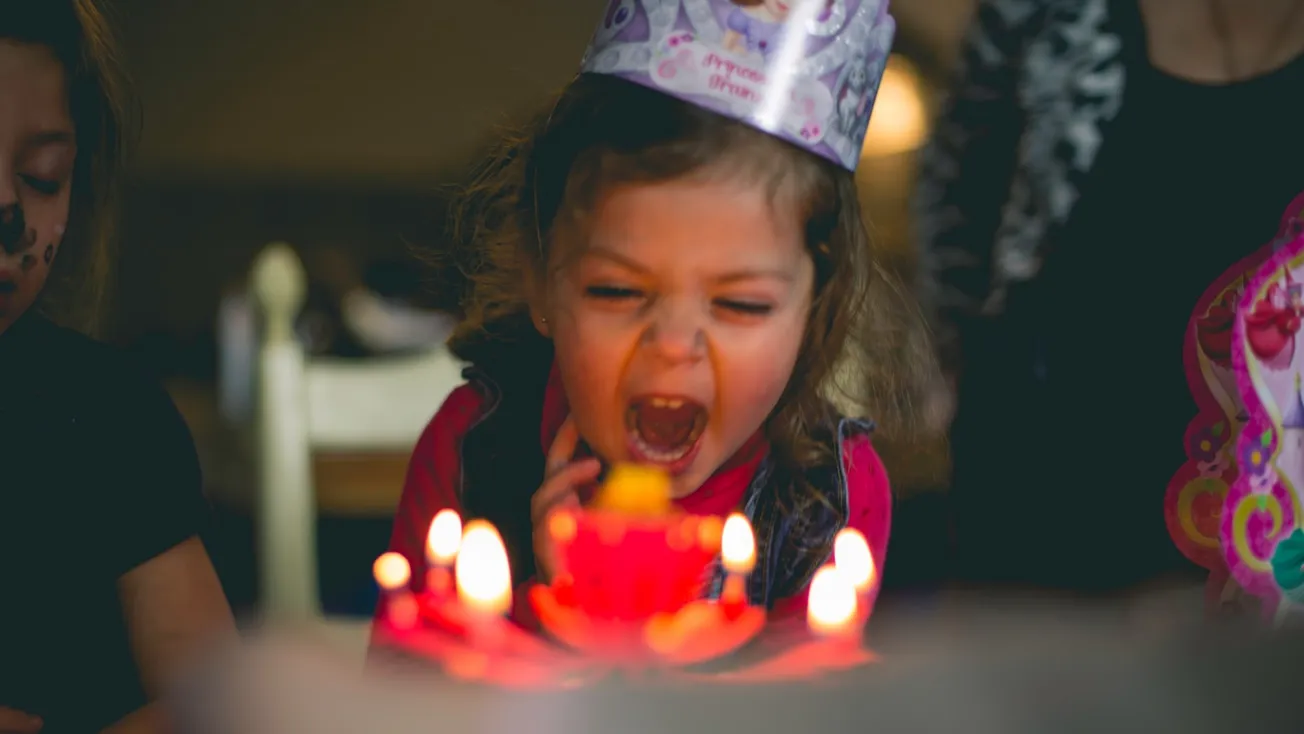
(791,546)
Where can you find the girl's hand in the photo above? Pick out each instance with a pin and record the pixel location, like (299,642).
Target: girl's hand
(563,478)
(13,721)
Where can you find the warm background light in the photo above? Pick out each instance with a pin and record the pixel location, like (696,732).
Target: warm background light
(738,545)
(484,577)
(392,571)
(899,123)
(852,557)
(445,537)
(832,602)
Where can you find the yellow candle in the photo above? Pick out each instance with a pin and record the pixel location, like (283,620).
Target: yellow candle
(393,573)
(831,608)
(442,544)
(633,489)
(738,545)
(738,556)
(852,557)
(484,576)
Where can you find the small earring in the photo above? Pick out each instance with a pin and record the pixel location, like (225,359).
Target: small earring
(543,319)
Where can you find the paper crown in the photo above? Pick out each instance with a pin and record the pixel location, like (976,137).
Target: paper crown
(806,71)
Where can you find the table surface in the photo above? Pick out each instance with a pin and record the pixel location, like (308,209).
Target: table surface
(1054,668)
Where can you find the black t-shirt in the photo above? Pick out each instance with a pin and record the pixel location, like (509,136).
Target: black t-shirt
(98,474)
(1073,412)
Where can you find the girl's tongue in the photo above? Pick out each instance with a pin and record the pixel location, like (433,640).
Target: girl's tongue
(666,424)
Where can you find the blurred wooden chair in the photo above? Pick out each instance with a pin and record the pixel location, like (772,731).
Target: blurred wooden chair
(310,408)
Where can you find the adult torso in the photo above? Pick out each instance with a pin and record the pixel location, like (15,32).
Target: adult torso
(1075,401)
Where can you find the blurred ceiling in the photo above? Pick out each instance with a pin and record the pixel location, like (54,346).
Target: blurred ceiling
(389,90)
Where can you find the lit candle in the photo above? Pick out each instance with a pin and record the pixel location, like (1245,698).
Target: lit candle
(484,577)
(484,584)
(393,573)
(442,544)
(852,557)
(738,556)
(831,610)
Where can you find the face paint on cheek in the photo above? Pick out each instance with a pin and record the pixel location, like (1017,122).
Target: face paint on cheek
(29,261)
(21,243)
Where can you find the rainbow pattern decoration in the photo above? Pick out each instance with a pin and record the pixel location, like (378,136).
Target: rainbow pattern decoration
(1196,501)
(1260,528)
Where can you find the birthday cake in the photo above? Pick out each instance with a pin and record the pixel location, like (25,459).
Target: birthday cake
(629,602)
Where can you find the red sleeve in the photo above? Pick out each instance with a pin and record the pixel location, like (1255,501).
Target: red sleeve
(432,478)
(869,497)
(433,475)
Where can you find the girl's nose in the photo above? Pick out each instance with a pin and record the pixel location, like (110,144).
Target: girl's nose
(675,333)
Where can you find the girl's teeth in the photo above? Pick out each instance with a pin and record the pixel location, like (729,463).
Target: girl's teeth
(658,455)
(672,403)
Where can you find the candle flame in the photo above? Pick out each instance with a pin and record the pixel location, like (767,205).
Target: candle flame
(444,538)
(484,577)
(392,571)
(738,545)
(852,557)
(832,602)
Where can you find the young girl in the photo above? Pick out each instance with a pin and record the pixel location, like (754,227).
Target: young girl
(107,590)
(649,281)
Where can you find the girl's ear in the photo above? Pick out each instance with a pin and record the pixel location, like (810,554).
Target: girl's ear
(536,293)
(540,322)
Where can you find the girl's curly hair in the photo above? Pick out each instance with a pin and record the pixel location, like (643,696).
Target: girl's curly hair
(862,346)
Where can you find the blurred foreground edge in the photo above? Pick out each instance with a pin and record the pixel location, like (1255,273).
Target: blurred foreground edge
(1086,682)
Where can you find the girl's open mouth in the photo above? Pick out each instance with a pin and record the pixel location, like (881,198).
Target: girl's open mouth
(665,430)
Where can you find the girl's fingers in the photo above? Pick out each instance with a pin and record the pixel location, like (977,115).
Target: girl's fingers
(563,447)
(563,486)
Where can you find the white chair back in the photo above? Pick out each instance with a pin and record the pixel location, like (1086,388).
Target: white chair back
(317,404)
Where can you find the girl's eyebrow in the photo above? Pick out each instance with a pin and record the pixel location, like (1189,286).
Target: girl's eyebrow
(49,137)
(785,276)
(605,253)
(735,276)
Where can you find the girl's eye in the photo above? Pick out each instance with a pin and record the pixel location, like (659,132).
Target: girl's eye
(42,185)
(748,308)
(612,293)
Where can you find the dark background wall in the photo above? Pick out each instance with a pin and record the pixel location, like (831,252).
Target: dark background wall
(343,124)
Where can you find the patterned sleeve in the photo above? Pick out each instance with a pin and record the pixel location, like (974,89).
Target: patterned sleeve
(869,499)
(967,168)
